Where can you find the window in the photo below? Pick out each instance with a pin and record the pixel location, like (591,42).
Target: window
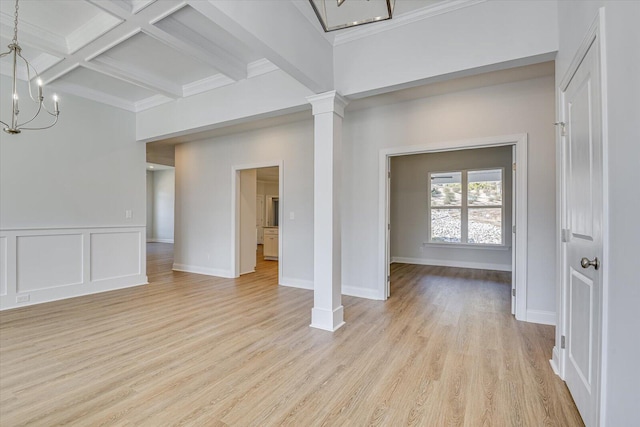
(466,207)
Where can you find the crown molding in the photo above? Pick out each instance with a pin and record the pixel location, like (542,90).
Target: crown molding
(138,5)
(152,101)
(208,83)
(94,95)
(259,67)
(404,19)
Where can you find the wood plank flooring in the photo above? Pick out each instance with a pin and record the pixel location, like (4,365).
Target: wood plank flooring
(193,350)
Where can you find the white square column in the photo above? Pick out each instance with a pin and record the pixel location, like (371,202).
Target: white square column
(328,111)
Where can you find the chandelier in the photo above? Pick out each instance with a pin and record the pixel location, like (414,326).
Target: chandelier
(16,51)
(339,14)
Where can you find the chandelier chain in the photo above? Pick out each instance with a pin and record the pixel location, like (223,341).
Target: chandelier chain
(15,25)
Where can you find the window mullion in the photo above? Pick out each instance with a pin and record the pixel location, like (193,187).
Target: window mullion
(464,214)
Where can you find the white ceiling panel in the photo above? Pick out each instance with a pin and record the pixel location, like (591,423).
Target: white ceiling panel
(64,25)
(61,17)
(100,82)
(144,54)
(191,26)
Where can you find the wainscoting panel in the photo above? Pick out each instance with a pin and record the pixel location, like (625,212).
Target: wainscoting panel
(48,261)
(3,266)
(115,255)
(42,265)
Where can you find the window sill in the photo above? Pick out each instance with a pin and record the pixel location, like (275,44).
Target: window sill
(466,246)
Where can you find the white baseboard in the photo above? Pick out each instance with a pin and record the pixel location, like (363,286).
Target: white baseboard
(542,317)
(555,361)
(353,291)
(296,283)
(159,240)
(217,272)
(451,263)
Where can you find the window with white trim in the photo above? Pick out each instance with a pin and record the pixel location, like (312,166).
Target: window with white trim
(466,207)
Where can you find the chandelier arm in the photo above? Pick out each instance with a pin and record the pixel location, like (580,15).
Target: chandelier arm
(42,128)
(18,126)
(6,125)
(3,54)
(29,68)
(44,107)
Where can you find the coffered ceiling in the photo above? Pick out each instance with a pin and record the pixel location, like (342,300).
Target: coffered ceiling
(136,54)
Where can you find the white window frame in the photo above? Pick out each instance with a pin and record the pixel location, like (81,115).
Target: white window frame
(464,211)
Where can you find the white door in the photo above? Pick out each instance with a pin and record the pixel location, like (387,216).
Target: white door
(513,230)
(584,206)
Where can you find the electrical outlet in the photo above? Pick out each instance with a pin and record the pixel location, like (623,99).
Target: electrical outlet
(292,215)
(128,214)
(23,298)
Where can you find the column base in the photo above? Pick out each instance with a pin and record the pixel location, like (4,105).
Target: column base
(326,319)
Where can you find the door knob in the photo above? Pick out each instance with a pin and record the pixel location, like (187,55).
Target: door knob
(585,263)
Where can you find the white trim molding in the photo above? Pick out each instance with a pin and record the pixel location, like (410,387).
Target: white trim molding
(451,263)
(48,264)
(296,283)
(160,241)
(197,269)
(520,177)
(542,317)
(404,19)
(355,291)
(234,267)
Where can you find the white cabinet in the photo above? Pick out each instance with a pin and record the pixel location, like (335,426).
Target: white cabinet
(271,243)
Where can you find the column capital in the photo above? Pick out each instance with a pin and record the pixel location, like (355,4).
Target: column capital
(328,102)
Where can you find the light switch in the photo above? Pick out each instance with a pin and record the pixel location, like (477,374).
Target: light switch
(292,215)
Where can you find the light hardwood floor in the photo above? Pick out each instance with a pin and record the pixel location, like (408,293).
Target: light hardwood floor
(194,350)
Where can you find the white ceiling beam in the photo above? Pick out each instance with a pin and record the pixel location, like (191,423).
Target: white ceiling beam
(199,48)
(207,53)
(120,70)
(276,30)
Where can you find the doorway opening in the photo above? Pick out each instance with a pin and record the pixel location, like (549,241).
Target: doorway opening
(516,235)
(257,218)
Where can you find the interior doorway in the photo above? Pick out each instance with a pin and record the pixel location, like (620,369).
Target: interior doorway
(257,218)
(519,208)
(160,191)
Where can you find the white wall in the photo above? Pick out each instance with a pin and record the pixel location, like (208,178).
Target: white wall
(488,34)
(163,205)
(203,199)
(409,220)
(64,193)
(519,107)
(266,95)
(622,293)
(203,181)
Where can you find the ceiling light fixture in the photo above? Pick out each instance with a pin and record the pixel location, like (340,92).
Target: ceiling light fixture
(339,14)
(16,51)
